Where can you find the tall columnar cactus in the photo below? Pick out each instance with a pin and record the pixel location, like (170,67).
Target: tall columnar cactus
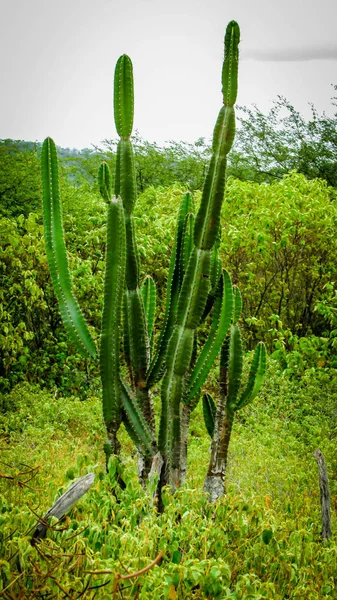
(197,286)
(219,419)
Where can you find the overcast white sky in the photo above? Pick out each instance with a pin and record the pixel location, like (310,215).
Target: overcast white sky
(57,62)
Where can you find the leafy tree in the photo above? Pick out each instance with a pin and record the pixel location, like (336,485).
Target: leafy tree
(270,146)
(20,187)
(280,247)
(176,162)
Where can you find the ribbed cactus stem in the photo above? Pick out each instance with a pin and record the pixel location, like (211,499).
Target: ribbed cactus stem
(196,283)
(111,319)
(135,322)
(72,316)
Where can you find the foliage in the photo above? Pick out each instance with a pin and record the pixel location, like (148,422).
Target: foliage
(268,226)
(259,541)
(20,186)
(175,162)
(33,344)
(279,244)
(305,207)
(274,144)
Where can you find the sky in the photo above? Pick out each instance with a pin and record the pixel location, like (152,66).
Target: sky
(57,62)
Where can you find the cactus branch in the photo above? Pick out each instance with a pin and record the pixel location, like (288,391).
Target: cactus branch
(72,316)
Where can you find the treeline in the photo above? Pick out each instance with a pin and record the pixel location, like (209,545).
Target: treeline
(267,147)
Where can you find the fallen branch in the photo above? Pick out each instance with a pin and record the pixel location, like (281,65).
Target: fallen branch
(118,577)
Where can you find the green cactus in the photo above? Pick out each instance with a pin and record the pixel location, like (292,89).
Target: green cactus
(197,286)
(219,419)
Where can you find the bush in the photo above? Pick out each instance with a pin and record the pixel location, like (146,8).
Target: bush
(280,249)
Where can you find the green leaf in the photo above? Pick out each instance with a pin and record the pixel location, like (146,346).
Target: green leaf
(72,316)
(267,535)
(176,557)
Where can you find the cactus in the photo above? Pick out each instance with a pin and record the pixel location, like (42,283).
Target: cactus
(197,286)
(219,419)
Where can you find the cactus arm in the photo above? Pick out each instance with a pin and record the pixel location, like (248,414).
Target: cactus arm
(72,316)
(149,299)
(104,182)
(113,296)
(188,243)
(123,97)
(136,424)
(219,328)
(234,366)
(216,274)
(125,185)
(196,283)
(231,64)
(172,293)
(256,376)
(216,269)
(209,412)
(137,336)
(126,340)
(139,410)
(237,304)
(208,218)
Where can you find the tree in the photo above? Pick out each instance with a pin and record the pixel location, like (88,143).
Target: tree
(176,162)
(270,146)
(20,187)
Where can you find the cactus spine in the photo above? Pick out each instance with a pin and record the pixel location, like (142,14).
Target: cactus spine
(197,286)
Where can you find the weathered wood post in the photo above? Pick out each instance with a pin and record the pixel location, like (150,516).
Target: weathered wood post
(63,504)
(324,493)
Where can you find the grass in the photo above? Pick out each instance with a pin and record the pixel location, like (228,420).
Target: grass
(261,541)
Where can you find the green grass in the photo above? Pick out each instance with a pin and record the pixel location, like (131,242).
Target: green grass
(261,541)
